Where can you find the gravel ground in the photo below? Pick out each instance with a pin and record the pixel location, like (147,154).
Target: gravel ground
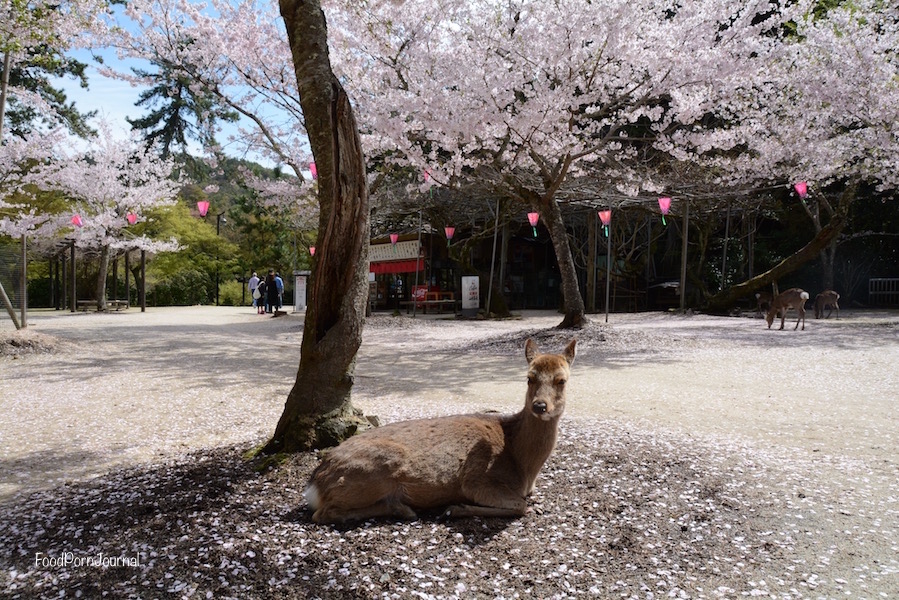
(700,457)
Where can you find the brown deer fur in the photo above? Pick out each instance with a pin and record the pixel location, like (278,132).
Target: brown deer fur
(476,465)
(826,299)
(762,300)
(792,298)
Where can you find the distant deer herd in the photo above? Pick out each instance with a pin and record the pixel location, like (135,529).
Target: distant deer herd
(778,305)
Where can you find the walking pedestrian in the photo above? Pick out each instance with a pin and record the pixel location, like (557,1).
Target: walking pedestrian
(279,283)
(252,284)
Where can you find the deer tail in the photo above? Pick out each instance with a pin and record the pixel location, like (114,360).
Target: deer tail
(313,498)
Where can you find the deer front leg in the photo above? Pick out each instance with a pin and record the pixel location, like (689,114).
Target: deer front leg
(458,511)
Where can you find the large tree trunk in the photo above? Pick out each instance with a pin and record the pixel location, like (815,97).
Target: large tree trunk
(725,299)
(318,412)
(828,257)
(572,302)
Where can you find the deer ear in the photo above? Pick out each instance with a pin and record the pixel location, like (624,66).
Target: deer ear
(530,350)
(570,351)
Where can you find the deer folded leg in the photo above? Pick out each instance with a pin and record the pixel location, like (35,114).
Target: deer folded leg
(384,508)
(489,501)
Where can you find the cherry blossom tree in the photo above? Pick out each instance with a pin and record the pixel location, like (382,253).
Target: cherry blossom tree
(534,95)
(46,30)
(109,186)
(827,119)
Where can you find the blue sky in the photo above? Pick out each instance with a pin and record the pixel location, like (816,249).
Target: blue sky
(112,99)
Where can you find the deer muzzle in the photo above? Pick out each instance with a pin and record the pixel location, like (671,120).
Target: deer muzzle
(539,407)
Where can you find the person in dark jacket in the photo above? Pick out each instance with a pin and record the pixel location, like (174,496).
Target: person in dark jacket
(271,291)
(260,303)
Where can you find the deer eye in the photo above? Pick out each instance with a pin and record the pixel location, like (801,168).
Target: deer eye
(559,382)
(531,380)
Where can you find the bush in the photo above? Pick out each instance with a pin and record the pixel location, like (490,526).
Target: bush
(231,292)
(184,288)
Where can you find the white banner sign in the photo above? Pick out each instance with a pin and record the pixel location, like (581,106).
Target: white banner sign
(471,299)
(401,251)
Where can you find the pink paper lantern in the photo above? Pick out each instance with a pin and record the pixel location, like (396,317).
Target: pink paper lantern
(801,188)
(533,219)
(132,218)
(76,221)
(203,207)
(394,238)
(311,250)
(605,216)
(313,170)
(450,232)
(664,206)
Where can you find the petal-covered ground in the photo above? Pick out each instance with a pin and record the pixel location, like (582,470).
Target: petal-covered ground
(700,457)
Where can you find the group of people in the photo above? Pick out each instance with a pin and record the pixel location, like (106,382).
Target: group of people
(267,293)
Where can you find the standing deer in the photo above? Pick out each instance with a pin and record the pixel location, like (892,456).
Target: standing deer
(481,464)
(792,298)
(826,299)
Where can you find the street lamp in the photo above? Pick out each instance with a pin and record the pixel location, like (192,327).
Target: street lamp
(203,207)
(605,216)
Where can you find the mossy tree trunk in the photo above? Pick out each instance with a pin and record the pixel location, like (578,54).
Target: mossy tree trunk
(724,300)
(318,412)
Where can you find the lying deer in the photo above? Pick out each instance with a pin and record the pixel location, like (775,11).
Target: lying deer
(826,299)
(482,464)
(792,298)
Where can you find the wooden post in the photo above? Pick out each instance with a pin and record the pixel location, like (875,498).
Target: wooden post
(128,277)
(683,263)
(143,281)
(724,255)
(115,278)
(492,261)
(591,263)
(72,268)
(24,283)
(608,266)
(64,286)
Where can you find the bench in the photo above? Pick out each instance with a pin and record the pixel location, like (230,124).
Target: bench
(440,300)
(86,304)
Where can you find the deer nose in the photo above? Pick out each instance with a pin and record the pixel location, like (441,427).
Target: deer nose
(539,407)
